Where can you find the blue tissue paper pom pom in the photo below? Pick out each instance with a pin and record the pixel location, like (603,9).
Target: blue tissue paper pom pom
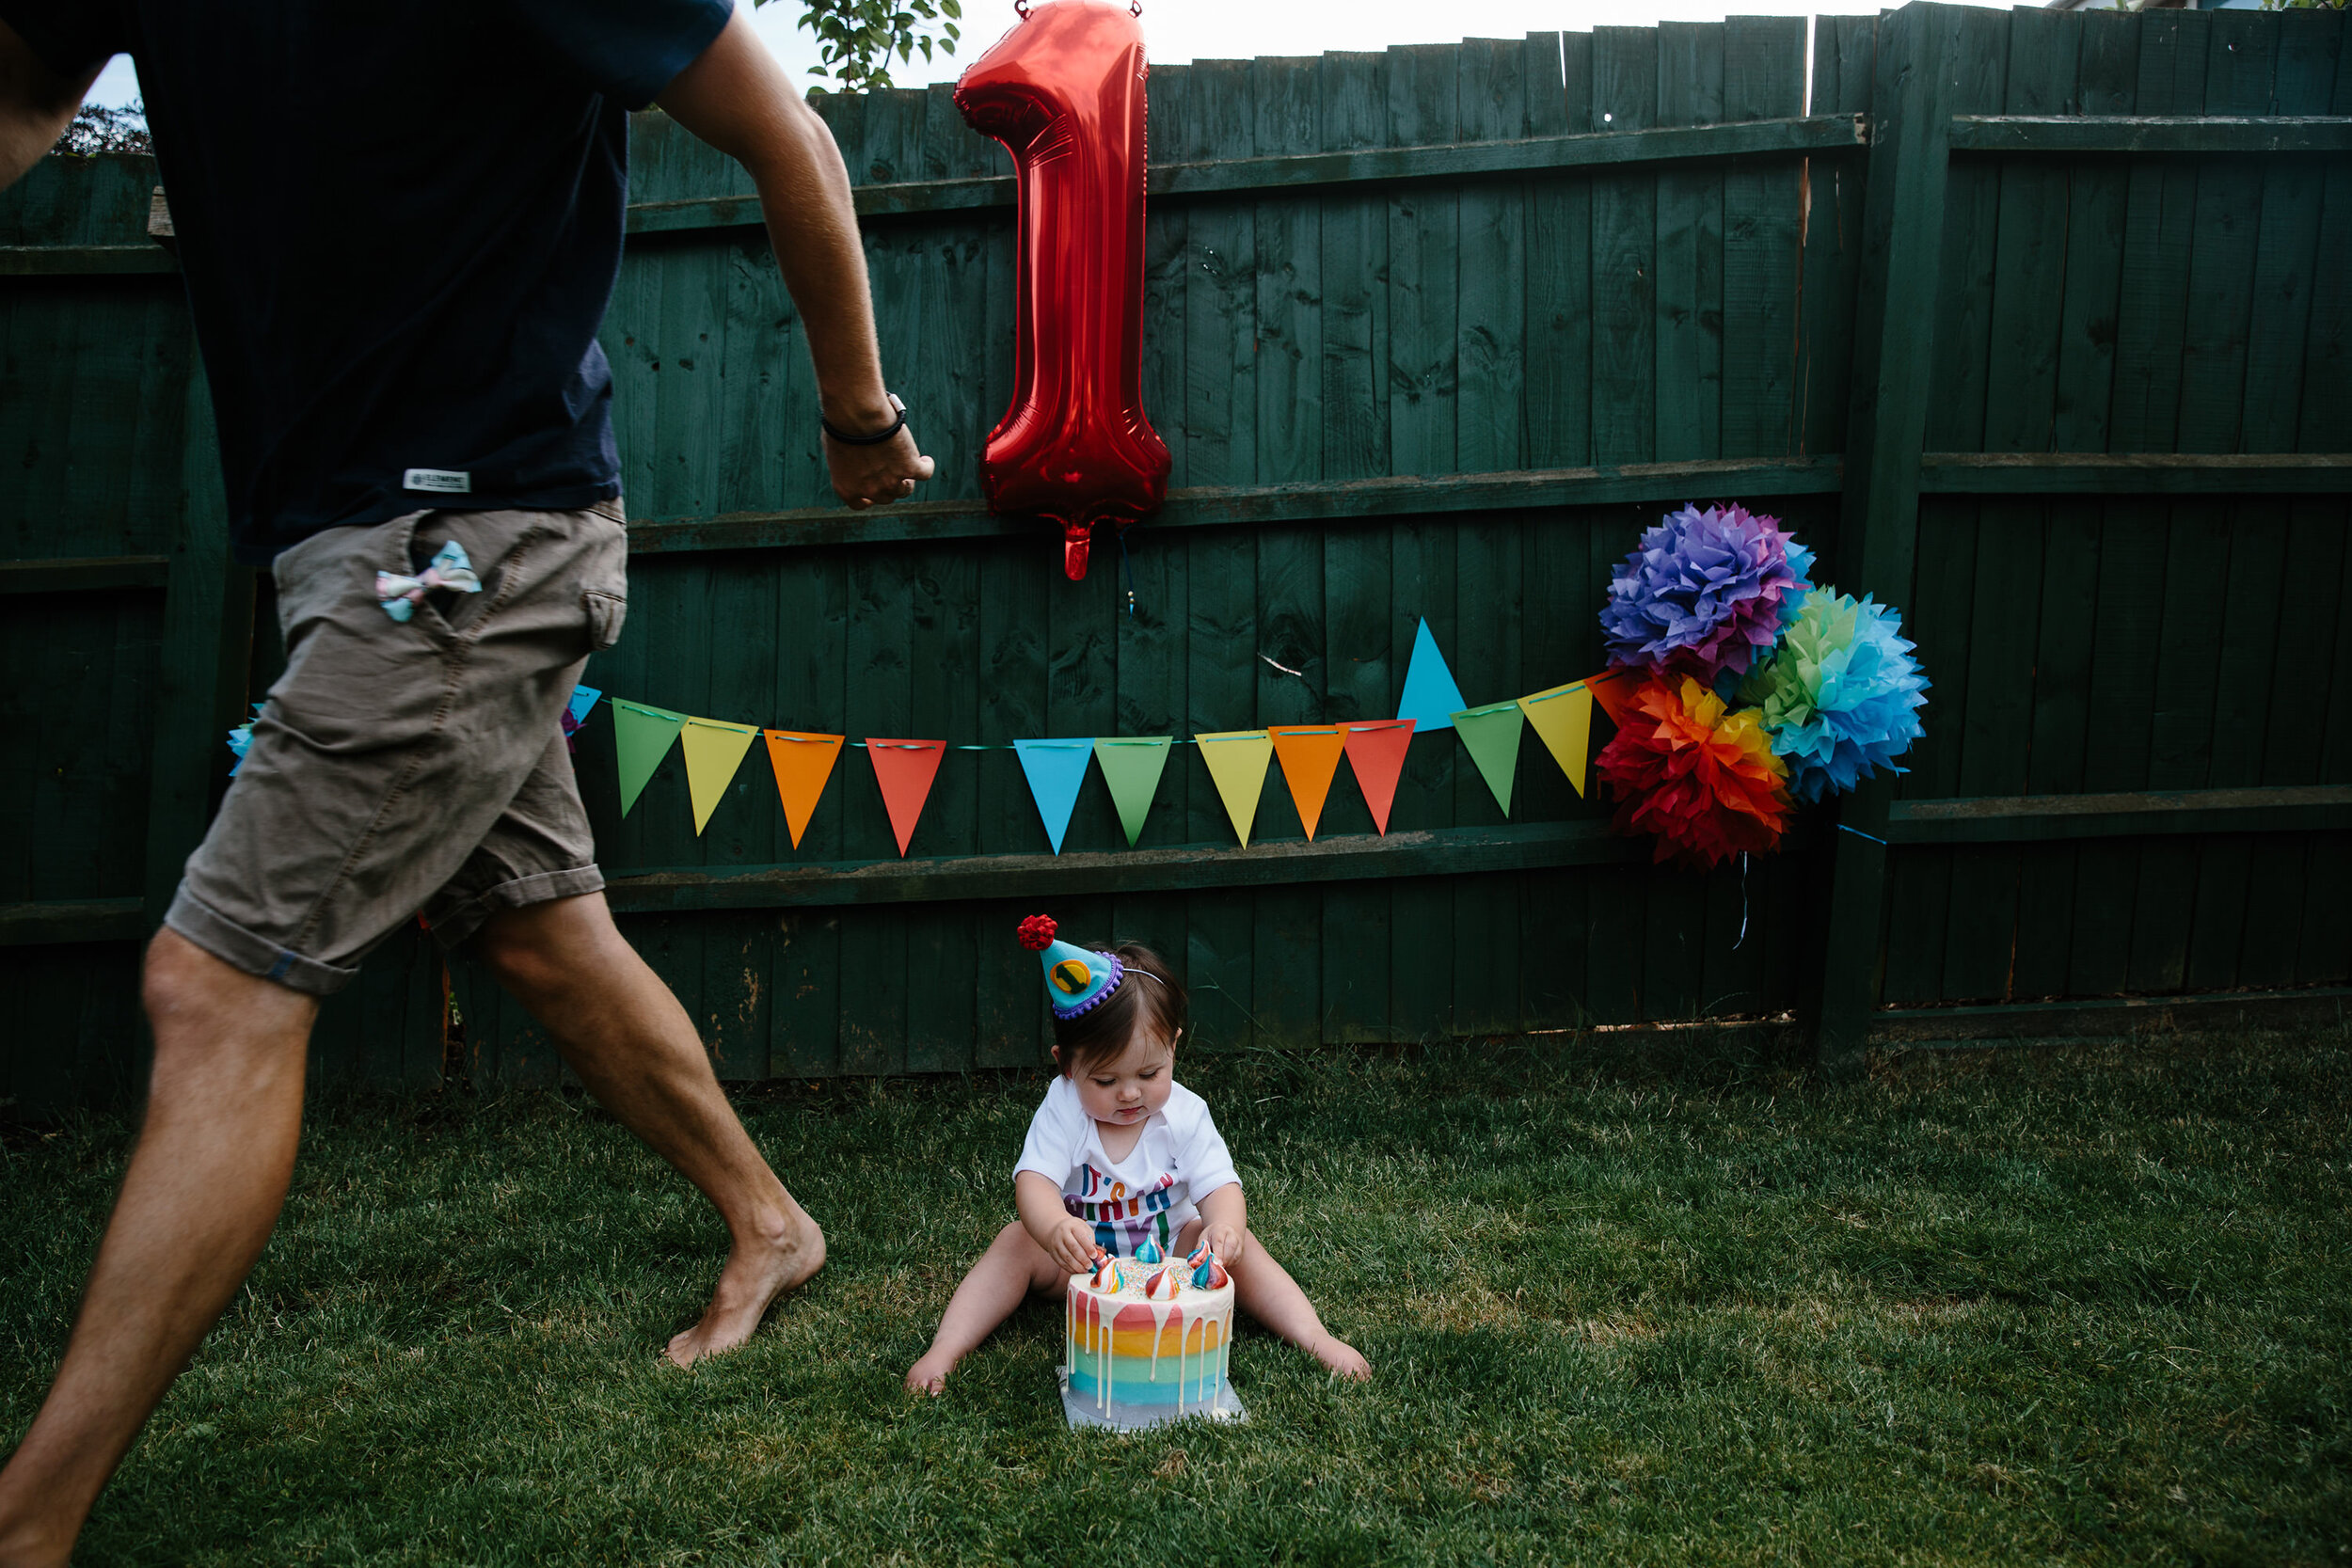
(1842,695)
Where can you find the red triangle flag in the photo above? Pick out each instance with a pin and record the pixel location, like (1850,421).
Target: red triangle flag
(905,769)
(1614,690)
(1376,750)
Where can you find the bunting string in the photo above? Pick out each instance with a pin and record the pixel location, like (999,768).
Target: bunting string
(1131,767)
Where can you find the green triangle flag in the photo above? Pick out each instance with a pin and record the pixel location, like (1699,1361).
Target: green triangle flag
(1492,735)
(1132,766)
(642,736)
(1237,759)
(714,750)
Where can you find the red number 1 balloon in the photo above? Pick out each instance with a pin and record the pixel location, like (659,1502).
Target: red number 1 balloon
(1064,92)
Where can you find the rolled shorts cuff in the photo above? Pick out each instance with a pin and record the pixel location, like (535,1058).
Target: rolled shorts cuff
(456,926)
(232,944)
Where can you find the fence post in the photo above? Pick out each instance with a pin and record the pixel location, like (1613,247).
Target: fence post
(1903,233)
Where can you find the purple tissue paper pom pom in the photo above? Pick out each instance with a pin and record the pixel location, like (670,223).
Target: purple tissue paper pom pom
(1706,594)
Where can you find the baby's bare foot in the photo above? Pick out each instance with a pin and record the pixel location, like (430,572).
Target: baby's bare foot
(1342,1358)
(755,1277)
(930,1375)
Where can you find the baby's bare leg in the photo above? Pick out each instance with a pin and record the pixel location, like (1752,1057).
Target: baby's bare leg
(1270,1294)
(1013,1266)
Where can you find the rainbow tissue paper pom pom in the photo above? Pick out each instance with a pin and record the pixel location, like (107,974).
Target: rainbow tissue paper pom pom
(1841,697)
(1703,778)
(1706,592)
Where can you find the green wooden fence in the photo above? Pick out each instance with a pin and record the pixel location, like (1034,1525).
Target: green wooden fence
(2035,324)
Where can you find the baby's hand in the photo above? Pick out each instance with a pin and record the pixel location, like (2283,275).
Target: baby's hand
(1223,1239)
(1070,1243)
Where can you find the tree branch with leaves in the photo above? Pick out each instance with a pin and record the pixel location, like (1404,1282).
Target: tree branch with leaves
(856,39)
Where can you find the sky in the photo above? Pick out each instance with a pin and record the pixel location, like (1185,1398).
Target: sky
(1179,30)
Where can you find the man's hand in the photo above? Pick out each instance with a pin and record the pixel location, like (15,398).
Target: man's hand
(875,475)
(36,105)
(737,98)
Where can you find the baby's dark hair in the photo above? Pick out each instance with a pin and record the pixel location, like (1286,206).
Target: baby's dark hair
(1147,993)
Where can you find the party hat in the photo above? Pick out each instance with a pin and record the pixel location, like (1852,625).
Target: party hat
(1076,980)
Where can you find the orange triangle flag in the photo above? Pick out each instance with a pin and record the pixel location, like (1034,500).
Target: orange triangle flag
(802,764)
(905,769)
(1309,755)
(1614,690)
(1376,750)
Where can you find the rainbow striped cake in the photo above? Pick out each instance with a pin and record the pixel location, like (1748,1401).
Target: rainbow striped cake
(1146,1342)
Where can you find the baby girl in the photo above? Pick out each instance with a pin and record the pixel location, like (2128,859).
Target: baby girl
(1117,1154)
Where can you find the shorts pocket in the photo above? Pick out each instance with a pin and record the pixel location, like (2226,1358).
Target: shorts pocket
(606,612)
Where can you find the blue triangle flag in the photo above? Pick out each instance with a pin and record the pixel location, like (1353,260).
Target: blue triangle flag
(584,698)
(1431,699)
(1056,770)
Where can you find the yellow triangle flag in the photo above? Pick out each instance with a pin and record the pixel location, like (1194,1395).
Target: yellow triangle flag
(713,751)
(1564,717)
(1237,760)
(802,763)
(1311,756)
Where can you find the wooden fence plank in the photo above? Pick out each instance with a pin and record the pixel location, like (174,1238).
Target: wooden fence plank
(1423,295)
(1845,48)
(1485,928)
(2152,319)
(1763,78)
(1624,239)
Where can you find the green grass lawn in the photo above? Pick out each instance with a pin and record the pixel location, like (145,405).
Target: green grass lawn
(1988,1307)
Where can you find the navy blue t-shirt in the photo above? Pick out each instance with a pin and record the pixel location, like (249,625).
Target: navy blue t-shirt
(400,222)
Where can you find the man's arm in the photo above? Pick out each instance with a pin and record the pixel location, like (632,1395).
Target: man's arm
(737,98)
(36,105)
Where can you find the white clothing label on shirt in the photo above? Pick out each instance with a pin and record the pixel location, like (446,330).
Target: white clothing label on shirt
(449,481)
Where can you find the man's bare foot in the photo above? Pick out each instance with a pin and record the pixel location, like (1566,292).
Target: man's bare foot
(1342,1358)
(756,1274)
(930,1375)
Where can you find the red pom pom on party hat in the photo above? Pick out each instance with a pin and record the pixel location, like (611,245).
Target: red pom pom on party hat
(1037,932)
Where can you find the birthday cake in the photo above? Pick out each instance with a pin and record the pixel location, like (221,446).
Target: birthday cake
(1148,1339)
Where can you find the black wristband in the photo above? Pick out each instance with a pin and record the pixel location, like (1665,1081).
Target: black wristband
(878,438)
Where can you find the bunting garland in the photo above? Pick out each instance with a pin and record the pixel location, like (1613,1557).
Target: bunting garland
(1132,767)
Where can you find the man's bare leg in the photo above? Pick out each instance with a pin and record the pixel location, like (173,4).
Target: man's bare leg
(633,1046)
(224,1116)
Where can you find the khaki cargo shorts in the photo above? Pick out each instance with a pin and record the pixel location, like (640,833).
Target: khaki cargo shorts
(406,768)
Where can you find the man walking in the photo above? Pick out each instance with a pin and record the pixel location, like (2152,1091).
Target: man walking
(400,224)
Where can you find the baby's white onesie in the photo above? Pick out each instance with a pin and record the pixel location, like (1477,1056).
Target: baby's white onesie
(1177,1161)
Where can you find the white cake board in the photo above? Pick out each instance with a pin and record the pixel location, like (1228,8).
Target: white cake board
(1082,1411)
